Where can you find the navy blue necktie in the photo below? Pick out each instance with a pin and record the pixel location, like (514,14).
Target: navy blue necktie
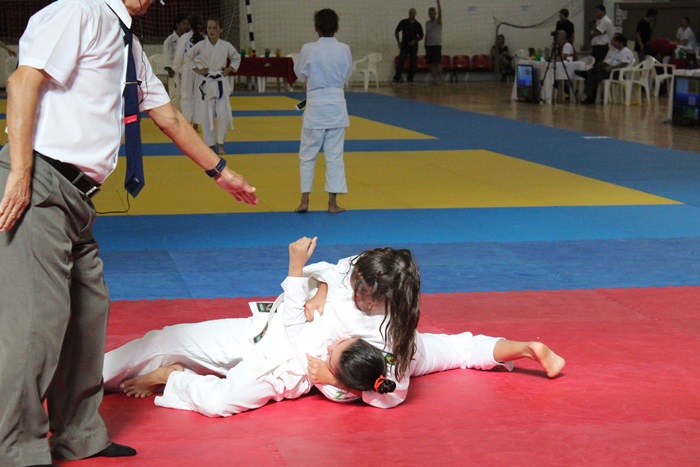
(134,180)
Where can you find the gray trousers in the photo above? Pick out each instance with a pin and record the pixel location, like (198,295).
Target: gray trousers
(53,321)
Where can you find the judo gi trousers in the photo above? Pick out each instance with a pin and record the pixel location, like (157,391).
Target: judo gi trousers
(188,79)
(53,320)
(332,141)
(174,91)
(220,379)
(441,352)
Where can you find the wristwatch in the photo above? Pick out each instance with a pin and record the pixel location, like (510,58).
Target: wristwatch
(216,171)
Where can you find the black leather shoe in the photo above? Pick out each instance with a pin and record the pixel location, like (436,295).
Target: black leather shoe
(116,450)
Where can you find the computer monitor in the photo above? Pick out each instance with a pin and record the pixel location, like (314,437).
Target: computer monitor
(528,86)
(686,100)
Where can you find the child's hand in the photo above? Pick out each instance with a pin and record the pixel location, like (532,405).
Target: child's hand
(319,373)
(317,302)
(299,253)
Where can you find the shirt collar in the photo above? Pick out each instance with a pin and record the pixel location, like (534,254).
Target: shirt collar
(118,7)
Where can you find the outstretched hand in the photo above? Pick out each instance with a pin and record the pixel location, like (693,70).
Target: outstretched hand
(237,186)
(299,253)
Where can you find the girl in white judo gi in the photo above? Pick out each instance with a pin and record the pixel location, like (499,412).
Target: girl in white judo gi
(325,66)
(215,59)
(216,368)
(384,282)
(185,67)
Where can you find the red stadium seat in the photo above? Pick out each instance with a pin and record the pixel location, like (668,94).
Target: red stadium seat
(422,64)
(460,64)
(446,63)
(481,62)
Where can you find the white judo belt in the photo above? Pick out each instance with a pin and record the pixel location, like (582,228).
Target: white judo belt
(273,311)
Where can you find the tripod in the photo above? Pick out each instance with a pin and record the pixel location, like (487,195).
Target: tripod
(553,57)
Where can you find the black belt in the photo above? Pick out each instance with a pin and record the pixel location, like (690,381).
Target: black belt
(74,175)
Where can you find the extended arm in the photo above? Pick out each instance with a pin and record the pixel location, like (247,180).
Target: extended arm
(177,128)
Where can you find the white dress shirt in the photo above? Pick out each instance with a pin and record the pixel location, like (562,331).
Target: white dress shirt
(79,117)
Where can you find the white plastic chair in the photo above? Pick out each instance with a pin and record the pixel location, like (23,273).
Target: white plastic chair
(661,72)
(636,77)
(588,61)
(368,66)
(608,85)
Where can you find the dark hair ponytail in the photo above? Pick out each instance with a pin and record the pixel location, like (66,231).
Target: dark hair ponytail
(195,25)
(363,367)
(390,276)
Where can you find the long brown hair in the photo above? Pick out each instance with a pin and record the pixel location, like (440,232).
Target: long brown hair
(391,277)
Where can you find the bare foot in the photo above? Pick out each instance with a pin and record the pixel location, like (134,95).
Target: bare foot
(303,207)
(550,362)
(335,209)
(150,383)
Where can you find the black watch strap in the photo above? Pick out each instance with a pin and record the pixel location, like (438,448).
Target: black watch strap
(216,171)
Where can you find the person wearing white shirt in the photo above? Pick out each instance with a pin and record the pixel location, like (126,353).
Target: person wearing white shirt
(65,125)
(685,37)
(619,56)
(325,66)
(181,26)
(566,50)
(601,34)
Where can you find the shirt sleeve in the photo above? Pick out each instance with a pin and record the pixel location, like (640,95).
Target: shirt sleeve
(235,57)
(300,66)
(152,91)
(53,39)
(296,291)
(332,274)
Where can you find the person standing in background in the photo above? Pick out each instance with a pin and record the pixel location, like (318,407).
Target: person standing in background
(185,68)
(180,26)
(215,59)
(685,37)
(433,42)
(325,66)
(564,24)
(411,34)
(645,26)
(601,33)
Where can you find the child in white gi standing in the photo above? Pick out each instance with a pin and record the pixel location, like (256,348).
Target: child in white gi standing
(325,66)
(214,60)
(181,26)
(184,67)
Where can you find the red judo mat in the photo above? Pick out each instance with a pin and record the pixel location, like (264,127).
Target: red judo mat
(628,395)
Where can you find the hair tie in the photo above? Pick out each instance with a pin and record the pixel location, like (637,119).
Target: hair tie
(378,383)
